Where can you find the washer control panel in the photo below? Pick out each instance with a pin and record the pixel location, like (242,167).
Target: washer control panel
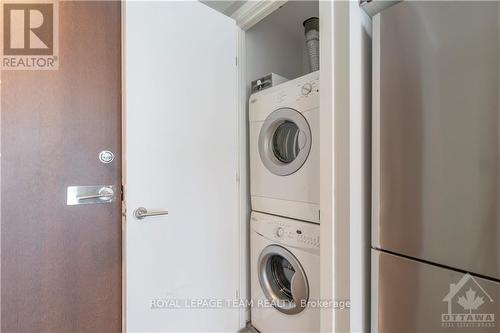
(286,231)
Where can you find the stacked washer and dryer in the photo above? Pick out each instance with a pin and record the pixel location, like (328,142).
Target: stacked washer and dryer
(284,182)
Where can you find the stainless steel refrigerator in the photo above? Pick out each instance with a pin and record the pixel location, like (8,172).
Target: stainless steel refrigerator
(436,167)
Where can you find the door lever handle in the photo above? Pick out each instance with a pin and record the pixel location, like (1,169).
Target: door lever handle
(89,195)
(142,212)
(105,193)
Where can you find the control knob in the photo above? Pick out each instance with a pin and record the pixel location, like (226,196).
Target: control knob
(306,89)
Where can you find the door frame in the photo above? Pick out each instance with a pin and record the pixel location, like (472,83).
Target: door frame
(345,163)
(124,173)
(244,207)
(332,250)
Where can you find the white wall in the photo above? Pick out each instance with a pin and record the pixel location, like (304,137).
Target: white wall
(277,43)
(270,51)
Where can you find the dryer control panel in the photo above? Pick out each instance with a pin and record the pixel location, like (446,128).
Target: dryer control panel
(286,231)
(301,94)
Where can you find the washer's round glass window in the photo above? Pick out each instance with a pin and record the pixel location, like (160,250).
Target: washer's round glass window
(283,279)
(284,141)
(280,272)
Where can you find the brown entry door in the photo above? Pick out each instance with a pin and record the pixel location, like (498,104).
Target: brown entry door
(61,264)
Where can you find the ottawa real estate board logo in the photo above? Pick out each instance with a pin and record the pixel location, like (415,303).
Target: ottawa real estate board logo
(30,35)
(469,305)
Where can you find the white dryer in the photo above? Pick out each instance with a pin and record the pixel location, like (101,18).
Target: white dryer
(284,149)
(284,274)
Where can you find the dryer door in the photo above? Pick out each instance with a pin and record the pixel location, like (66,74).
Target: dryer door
(284,141)
(283,279)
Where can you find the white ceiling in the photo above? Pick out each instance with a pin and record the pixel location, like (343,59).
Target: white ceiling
(225,7)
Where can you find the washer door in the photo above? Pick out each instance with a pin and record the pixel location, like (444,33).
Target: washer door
(284,141)
(283,279)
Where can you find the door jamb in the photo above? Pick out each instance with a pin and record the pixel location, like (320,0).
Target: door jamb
(246,17)
(243,178)
(328,261)
(124,167)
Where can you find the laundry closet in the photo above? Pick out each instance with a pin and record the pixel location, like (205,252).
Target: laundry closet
(281,62)
(200,87)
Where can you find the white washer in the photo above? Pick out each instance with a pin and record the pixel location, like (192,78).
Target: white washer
(284,149)
(284,274)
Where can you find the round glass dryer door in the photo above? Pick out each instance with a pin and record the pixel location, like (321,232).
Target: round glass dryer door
(284,141)
(283,279)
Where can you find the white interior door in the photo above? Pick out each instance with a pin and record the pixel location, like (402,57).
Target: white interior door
(182,156)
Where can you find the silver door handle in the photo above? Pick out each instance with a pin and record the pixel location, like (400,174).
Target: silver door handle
(105,193)
(142,212)
(94,194)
